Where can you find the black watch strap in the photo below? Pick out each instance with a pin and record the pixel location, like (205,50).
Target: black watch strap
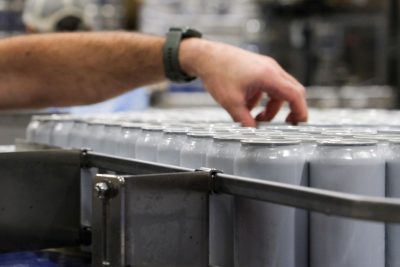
(172,68)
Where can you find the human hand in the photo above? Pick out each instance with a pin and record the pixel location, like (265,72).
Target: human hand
(237,79)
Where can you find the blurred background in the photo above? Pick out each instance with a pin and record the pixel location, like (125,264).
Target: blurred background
(345,51)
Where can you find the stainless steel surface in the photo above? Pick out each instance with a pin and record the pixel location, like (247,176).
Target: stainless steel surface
(39,199)
(108,229)
(152,220)
(325,201)
(127,166)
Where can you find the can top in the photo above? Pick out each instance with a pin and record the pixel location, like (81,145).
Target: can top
(232,137)
(395,141)
(201,134)
(132,125)
(269,142)
(395,131)
(153,128)
(347,142)
(177,130)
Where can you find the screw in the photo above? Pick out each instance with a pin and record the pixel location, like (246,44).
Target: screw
(102,189)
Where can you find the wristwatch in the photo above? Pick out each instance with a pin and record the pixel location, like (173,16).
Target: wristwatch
(172,68)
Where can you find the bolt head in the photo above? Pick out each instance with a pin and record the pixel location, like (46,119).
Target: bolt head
(101,189)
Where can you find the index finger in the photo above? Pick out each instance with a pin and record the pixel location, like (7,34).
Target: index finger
(294,94)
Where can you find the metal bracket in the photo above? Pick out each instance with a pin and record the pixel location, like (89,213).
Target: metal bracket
(212,173)
(107,212)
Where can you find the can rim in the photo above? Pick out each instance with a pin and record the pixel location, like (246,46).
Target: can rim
(153,128)
(229,137)
(270,142)
(347,142)
(200,134)
(132,125)
(181,130)
(394,141)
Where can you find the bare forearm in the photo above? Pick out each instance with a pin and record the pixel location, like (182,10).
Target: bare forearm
(67,69)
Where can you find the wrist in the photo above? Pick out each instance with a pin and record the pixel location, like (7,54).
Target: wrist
(192,53)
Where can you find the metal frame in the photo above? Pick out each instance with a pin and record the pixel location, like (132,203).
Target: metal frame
(142,207)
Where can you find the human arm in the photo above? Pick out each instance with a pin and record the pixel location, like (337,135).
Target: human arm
(76,68)
(81,68)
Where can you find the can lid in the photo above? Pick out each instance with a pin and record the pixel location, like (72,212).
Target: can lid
(303,139)
(395,141)
(132,125)
(283,128)
(374,137)
(269,142)
(347,142)
(177,130)
(201,134)
(389,131)
(153,127)
(233,137)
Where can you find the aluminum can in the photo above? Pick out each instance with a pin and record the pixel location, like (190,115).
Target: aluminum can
(393,190)
(147,142)
(169,148)
(77,134)
(45,130)
(269,234)
(109,137)
(127,142)
(92,138)
(194,152)
(221,156)
(349,166)
(61,131)
(33,128)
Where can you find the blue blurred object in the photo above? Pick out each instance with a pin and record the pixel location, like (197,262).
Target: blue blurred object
(41,259)
(137,99)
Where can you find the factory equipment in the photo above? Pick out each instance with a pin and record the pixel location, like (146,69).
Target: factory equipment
(144,213)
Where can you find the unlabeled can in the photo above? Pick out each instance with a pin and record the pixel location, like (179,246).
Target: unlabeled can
(61,131)
(146,143)
(33,128)
(194,152)
(110,137)
(126,144)
(93,135)
(45,130)
(350,166)
(169,148)
(77,134)
(270,235)
(221,156)
(393,190)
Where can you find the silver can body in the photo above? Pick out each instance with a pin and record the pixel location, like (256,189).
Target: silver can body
(61,133)
(45,131)
(77,135)
(169,148)
(32,129)
(221,156)
(193,154)
(351,167)
(110,139)
(393,190)
(147,142)
(126,145)
(93,135)
(269,234)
